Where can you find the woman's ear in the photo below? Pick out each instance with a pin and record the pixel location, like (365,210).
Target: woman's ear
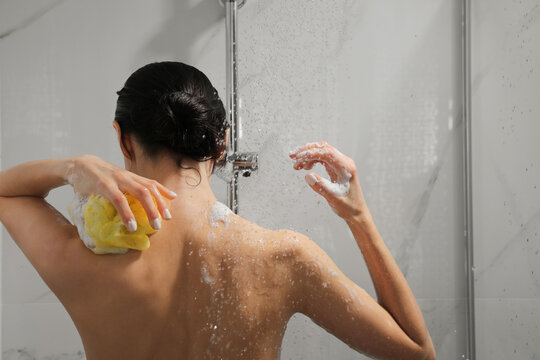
(125,141)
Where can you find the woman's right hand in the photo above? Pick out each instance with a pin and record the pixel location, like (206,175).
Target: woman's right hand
(391,327)
(343,192)
(89,174)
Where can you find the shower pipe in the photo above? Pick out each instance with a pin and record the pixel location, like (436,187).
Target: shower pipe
(467,177)
(247,162)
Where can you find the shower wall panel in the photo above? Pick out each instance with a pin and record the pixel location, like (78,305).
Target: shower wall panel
(506,177)
(61,63)
(382,82)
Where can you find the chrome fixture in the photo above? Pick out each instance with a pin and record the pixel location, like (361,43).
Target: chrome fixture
(242,163)
(240,2)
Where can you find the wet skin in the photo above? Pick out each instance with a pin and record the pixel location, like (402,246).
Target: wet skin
(204,292)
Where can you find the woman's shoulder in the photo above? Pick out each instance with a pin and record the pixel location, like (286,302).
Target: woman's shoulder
(258,238)
(283,244)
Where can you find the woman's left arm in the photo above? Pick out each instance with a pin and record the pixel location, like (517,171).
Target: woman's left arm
(39,229)
(89,174)
(35,178)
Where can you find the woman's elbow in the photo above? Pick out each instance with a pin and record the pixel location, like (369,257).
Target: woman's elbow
(432,355)
(423,351)
(428,352)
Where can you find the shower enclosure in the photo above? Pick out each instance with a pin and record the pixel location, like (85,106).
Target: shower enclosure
(318,70)
(435,101)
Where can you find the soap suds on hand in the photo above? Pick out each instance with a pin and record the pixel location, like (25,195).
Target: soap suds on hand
(342,184)
(340,187)
(71,178)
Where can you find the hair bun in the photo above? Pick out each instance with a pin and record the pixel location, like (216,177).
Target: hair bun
(186,124)
(185,109)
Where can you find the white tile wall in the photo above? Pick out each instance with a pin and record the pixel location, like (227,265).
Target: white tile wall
(506,174)
(39,341)
(508,328)
(61,63)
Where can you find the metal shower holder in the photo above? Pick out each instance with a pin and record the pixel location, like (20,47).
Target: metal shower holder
(240,3)
(244,163)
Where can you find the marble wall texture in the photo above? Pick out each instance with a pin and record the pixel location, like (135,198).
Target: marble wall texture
(61,63)
(379,80)
(506,177)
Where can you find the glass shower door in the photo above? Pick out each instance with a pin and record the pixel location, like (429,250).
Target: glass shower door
(382,82)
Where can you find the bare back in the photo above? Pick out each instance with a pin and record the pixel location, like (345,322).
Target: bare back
(202,290)
(211,287)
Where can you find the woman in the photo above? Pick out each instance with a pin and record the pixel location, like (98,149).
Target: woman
(212,285)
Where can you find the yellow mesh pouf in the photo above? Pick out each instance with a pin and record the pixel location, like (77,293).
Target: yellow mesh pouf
(101,229)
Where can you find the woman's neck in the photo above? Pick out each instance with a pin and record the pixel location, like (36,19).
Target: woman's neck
(191,182)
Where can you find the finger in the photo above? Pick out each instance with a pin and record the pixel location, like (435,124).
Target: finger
(319,151)
(143,194)
(309,146)
(307,162)
(324,150)
(165,191)
(325,154)
(304,164)
(318,184)
(162,206)
(306,146)
(308,165)
(119,201)
(335,166)
(331,172)
(293,152)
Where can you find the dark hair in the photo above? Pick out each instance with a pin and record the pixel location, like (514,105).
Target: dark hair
(171,106)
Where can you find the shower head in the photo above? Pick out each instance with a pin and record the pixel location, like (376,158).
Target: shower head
(239,2)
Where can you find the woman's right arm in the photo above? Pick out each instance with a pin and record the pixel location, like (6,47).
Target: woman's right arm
(393,327)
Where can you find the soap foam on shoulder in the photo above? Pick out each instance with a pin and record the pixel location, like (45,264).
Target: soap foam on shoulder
(219,212)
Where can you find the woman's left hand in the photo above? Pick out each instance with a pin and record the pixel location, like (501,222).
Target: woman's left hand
(91,175)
